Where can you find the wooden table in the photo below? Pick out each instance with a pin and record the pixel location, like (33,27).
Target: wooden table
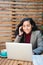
(5,61)
(37,59)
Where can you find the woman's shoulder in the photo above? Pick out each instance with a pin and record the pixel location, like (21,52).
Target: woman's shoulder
(37,32)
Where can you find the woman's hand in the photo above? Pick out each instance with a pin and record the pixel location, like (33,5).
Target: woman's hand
(20,31)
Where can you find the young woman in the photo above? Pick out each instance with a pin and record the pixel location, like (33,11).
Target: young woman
(27,32)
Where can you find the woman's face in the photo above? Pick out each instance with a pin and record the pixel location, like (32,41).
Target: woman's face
(27,27)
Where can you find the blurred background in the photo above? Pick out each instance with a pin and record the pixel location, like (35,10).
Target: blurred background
(13,11)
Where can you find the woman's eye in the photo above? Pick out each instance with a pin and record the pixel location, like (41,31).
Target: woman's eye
(28,25)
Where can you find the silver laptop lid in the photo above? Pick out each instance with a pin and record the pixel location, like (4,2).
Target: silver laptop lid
(19,51)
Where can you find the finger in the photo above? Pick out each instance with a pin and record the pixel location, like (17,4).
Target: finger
(20,27)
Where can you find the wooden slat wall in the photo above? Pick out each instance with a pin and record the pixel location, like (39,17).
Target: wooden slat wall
(13,11)
(28,8)
(6,29)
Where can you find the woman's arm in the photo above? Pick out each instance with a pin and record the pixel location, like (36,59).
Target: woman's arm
(18,38)
(39,48)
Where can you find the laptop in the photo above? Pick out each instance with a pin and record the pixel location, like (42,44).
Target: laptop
(19,51)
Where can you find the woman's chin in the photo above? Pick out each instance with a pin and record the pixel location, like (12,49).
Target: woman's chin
(27,32)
